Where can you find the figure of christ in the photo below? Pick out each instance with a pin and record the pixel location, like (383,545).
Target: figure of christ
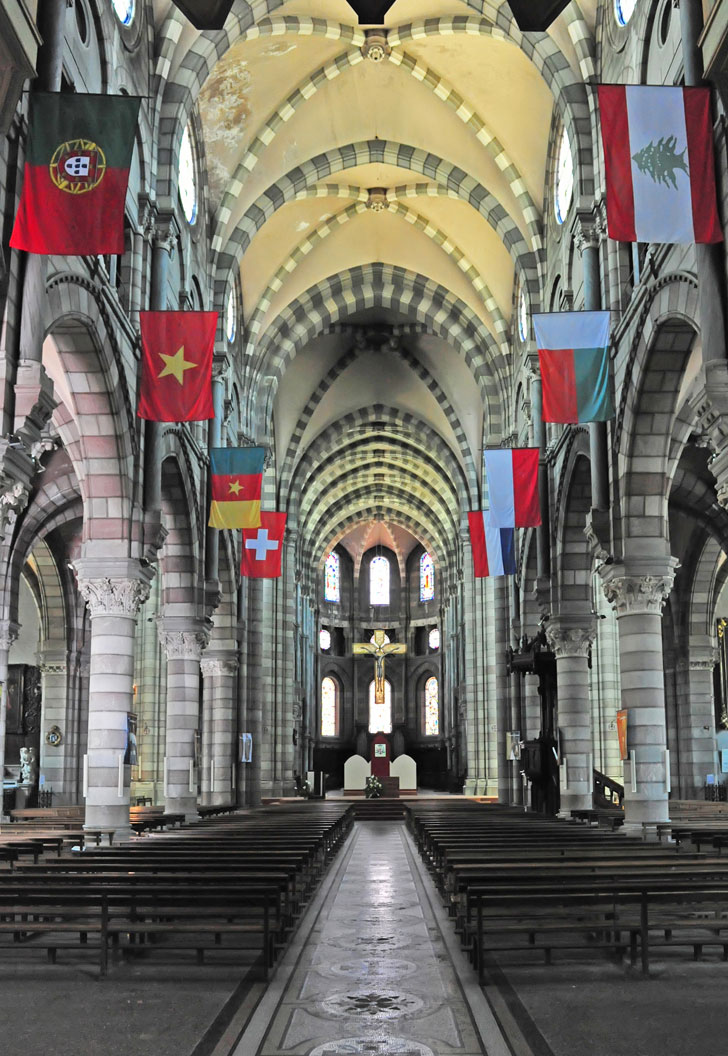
(378,650)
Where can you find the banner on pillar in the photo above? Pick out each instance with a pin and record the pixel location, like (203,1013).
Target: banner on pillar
(131,753)
(263,547)
(512,475)
(573,353)
(659,162)
(236,480)
(622,734)
(177,352)
(246,747)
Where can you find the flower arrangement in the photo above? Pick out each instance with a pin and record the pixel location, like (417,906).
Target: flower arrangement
(373,788)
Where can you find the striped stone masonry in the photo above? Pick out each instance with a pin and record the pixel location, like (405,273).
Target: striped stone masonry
(219,710)
(570,638)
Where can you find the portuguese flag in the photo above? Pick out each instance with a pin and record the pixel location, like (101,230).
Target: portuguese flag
(177,350)
(236,479)
(573,352)
(76,174)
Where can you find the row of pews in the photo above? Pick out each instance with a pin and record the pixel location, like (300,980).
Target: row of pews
(516,883)
(233,885)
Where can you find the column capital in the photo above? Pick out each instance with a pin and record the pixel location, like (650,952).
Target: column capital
(186,641)
(219,665)
(121,591)
(571,635)
(639,586)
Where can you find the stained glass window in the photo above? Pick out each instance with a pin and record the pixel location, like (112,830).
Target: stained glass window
(432,707)
(124,10)
(187,178)
(427,578)
(324,639)
(564,184)
(231,316)
(379,581)
(623,10)
(433,638)
(329,707)
(332,587)
(522,315)
(380,715)
(386,640)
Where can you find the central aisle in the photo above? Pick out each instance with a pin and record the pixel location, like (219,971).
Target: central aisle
(374,974)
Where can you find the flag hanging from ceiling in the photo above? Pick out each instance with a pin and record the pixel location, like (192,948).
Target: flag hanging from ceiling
(513,487)
(76,173)
(205,14)
(263,547)
(236,479)
(573,351)
(494,549)
(535,16)
(177,352)
(660,168)
(371,12)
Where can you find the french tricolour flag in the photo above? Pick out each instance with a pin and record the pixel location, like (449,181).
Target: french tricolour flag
(513,487)
(494,550)
(574,356)
(658,152)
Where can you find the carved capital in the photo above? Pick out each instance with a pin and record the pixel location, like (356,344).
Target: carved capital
(631,594)
(48,667)
(113,597)
(569,640)
(216,665)
(181,644)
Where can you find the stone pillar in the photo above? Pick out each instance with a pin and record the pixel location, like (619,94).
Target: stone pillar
(56,760)
(184,645)
(220,700)
(696,722)
(638,592)
(501,611)
(113,603)
(570,639)
(9,631)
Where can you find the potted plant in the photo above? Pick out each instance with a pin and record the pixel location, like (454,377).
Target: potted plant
(373,789)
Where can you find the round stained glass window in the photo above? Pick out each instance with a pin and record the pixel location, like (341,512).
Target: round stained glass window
(231,316)
(564,188)
(434,638)
(124,10)
(623,10)
(385,642)
(522,316)
(187,178)
(324,639)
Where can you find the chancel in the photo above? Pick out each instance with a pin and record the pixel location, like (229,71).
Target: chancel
(363,527)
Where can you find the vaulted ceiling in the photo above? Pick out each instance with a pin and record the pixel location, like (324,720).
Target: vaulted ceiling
(382,197)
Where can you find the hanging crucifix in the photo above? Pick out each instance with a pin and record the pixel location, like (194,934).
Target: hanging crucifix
(379,649)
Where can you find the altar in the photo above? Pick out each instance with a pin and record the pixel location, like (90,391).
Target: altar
(398,777)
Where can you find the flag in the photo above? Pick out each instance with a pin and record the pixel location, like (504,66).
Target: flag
(660,169)
(263,547)
(177,366)
(370,12)
(494,549)
(573,350)
(513,487)
(76,173)
(535,16)
(205,14)
(236,478)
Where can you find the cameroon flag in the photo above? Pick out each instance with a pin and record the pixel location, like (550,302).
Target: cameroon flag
(76,173)
(236,481)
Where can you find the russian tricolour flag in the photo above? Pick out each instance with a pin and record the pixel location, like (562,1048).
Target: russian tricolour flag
(573,351)
(658,152)
(494,550)
(513,487)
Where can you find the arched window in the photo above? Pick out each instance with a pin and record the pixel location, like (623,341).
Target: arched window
(380,715)
(432,707)
(433,639)
(231,315)
(329,707)
(427,578)
(324,639)
(332,586)
(564,182)
(124,10)
(379,581)
(187,177)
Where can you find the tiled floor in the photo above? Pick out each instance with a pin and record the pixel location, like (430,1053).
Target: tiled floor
(374,975)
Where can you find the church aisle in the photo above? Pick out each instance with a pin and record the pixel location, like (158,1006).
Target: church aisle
(374,975)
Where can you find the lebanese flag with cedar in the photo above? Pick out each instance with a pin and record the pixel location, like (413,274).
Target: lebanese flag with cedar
(660,166)
(76,174)
(177,352)
(573,353)
(493,549)
(513,487)
(263,547)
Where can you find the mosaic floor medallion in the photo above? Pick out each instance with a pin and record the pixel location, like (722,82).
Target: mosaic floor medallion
(372,1047)
(372,968)
(372,1004)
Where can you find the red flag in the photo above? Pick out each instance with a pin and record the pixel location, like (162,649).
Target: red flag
(263,547)
(177,352)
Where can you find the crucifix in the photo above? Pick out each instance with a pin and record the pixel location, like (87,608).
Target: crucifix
(378,649)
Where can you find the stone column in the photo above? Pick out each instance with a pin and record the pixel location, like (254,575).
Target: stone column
(220,706)
(9,631)
(184,645)
(55,759)
(696,722)
(638,592)
(570,639)
(113,603)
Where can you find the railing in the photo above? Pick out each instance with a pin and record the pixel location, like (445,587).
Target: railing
(607,792)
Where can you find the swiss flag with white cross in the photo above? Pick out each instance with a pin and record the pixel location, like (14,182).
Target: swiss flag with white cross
(263,547)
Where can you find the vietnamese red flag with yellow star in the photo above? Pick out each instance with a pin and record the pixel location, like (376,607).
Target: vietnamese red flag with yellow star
(177,352)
